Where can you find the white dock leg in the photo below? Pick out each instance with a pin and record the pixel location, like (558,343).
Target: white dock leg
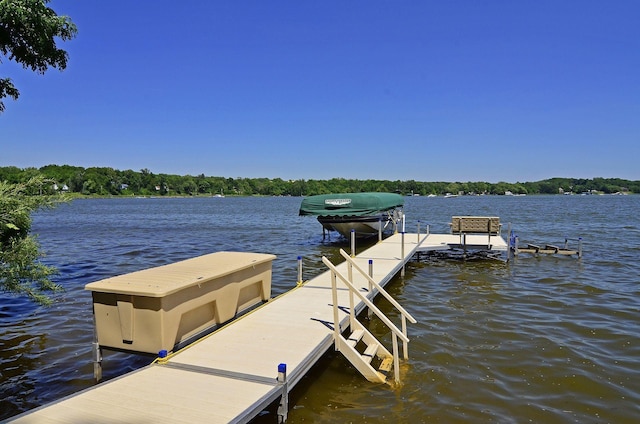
(579,247)
(402,251)
(370,312)
(97,361)
(353,243)
(283,408)
(97,353)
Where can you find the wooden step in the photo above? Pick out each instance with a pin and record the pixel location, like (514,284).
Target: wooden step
(386,364)
(370,352)
(355,337)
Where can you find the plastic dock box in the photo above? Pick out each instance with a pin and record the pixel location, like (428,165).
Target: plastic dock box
(160,308)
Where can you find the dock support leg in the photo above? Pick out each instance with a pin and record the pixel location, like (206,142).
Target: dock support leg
(97,361)
(283,408)
(464,246)
(511,244)
(97,353)
(402,255)
(353,243)
(370,312)
(580,248)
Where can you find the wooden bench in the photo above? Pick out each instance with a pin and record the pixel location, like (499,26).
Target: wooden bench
(464,225)
(475,225)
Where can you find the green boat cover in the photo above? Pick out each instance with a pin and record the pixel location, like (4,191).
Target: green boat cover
(350,204)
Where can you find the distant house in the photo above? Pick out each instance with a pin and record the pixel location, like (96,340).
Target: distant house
(124,186)
(56,187)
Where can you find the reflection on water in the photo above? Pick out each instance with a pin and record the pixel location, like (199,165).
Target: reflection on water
(543,339)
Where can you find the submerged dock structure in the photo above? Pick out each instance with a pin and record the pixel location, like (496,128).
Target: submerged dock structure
(234,373)
(548,249)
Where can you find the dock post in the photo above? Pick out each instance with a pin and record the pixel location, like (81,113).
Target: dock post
(464,245)
(352,316)
(402,254)
(97,362)
(579,247)
(283,407)
(353,243)
(509,243)
(299,270)
(370,312)
(97,353)
(396,359)
(418,232)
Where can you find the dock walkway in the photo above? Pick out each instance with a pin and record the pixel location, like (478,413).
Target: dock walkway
(230,376)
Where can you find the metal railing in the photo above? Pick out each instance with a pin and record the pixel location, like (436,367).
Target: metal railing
(396,332)
(373,284)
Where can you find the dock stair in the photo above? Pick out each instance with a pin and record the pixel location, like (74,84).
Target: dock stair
(365,352)
(361,348)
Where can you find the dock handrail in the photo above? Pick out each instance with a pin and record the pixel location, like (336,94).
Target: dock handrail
(403,312)
(395,331)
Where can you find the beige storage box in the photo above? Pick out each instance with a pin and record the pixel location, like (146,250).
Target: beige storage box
(159,308)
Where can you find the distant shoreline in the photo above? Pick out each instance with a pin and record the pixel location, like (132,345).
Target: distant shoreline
(106,182)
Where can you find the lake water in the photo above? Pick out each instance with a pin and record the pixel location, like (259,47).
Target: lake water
(541,339)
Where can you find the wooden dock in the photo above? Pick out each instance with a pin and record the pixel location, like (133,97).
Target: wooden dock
(234,373)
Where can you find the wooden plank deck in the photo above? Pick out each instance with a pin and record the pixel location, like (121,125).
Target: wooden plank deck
(230,375)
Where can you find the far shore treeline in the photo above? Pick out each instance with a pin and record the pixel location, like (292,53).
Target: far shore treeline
(103,181)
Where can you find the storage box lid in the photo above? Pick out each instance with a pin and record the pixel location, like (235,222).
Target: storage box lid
(164,280)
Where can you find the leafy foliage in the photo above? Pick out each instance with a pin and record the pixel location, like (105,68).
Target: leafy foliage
(20,269)
(28,32)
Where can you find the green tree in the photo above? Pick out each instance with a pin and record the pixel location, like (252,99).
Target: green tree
(28,33)
(11,174)
(21,272)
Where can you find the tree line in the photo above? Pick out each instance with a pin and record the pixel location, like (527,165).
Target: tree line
(104,181)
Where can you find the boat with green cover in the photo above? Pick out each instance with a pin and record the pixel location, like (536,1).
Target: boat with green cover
(365,213)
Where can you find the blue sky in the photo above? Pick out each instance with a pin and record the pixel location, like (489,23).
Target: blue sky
(423,90)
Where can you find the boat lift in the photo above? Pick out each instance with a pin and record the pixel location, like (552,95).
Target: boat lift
(547,249)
